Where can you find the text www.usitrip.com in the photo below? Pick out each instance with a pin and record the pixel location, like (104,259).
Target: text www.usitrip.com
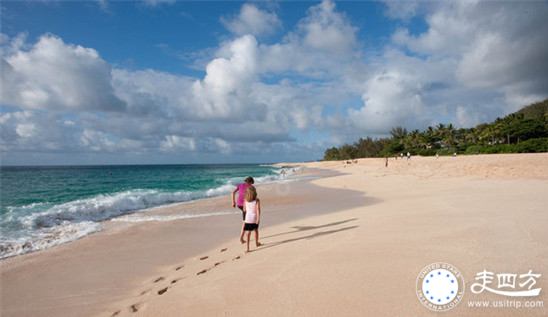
(506,304)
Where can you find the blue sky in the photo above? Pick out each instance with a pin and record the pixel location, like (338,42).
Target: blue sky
(167,82)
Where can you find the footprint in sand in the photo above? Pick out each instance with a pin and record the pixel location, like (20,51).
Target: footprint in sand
(116,313)
(161,278)
(162,291)
(223,250)
(134,308)
(204,257)
(175,280)
(202,271)
(144,292)
(236,258)
(179,267)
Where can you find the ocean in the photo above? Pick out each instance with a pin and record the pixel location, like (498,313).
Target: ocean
(45,206)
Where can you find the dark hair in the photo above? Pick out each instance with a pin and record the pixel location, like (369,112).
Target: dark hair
(249,180)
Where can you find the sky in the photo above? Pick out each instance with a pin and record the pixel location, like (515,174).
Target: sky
(185,82)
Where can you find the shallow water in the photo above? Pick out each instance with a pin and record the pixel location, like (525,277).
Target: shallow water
(45,206)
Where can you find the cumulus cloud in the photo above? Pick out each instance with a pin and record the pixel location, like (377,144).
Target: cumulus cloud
(497,46)
(322,46)
(232,88)
(253,21)
(313,89)
(400,9)
(325,29)
(475,61)
(151,93)
(53,75)
(177,142)
(224,91)
(390,99)
(27,131)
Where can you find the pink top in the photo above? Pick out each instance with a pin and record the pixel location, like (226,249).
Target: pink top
(251,211)
(241,192)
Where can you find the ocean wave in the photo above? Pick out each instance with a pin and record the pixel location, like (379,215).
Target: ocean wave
(103,207)
(134,218)
(46,238)
(41,225)
(74,220)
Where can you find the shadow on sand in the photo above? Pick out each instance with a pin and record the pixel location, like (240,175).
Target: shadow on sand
(306,228)
(308,237)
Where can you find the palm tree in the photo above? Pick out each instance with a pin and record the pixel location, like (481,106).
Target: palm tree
(471,135)
(461,136)
(413,140)
(398,133)
(449,135)
(488,134)
(429,137)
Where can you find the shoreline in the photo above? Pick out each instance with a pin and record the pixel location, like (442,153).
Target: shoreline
(361,235)
(30,278)
(85,214)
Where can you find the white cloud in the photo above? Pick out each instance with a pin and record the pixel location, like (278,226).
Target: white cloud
(476,61)
(230,107)
(401,9)
(326,30)
(54,76)
(25,130)
(496,46)
(390,99)
(149,92)
(449,31)
(253,21)
(29,131)
(224,91)
(173,142)
(224,147)
(264,97)
(321,47)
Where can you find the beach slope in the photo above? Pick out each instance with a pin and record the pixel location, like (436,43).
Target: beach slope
(350,244)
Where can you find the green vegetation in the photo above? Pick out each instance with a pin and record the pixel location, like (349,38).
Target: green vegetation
(525,131)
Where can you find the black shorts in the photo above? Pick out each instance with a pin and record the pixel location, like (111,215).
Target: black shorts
(243,212)
(251,226)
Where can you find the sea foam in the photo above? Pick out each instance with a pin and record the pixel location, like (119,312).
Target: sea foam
(42,225)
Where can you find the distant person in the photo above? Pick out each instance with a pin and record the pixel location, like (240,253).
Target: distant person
(241,188)
(282,173)
(455,154)
(396,156)
(408,156)
(386,161)
(437,155)
(252,210)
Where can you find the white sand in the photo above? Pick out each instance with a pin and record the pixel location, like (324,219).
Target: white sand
(346,245)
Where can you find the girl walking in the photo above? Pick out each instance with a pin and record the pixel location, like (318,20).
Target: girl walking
(252,210)
(241,188)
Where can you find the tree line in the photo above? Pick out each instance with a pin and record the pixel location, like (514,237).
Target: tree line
(524,131)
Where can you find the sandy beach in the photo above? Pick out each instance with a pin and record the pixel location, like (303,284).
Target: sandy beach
(351,241)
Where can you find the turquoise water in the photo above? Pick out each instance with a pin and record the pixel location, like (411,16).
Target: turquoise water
(45,206)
